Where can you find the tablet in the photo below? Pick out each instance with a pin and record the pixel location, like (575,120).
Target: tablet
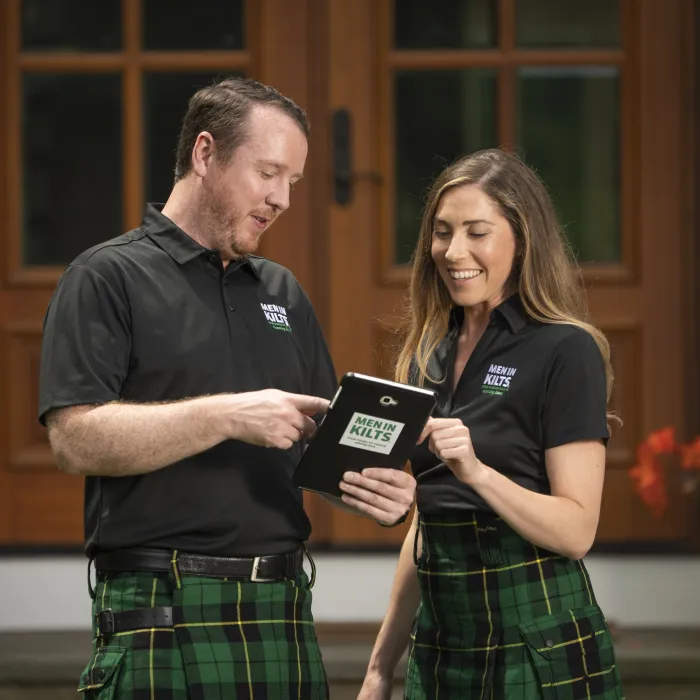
(370,422)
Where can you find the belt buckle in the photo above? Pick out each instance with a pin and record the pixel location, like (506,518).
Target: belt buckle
(254,573)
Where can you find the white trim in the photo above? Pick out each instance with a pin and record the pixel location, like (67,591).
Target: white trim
(50,593)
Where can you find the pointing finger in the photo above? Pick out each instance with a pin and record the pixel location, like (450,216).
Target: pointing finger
(309,405)
(309,427)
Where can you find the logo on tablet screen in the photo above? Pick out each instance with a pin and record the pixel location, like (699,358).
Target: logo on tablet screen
(277,317)
(370,433)
(497,380)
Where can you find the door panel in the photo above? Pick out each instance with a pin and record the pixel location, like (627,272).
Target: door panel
(626,190)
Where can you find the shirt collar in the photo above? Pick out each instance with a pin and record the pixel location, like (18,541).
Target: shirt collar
(511,311)
(178,245)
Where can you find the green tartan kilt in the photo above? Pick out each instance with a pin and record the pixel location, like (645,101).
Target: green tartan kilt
(230,639)
(500,619)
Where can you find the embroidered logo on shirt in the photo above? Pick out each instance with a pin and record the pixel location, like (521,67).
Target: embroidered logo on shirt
(497,380)
(277,317)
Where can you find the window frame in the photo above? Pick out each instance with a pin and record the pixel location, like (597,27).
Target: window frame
(506,58)
(132,62)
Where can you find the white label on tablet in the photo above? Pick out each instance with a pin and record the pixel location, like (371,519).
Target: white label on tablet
(370,433)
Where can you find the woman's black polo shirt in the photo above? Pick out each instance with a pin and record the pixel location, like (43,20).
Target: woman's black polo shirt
(526,387)
(152,316)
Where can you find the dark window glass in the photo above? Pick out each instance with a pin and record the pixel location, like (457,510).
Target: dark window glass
(445,24)
(440,115)
(71,25)
(182,25)
(71,164)
(569,130)
(165,102)
(562,24)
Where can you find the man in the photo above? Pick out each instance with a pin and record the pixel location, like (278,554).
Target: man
(180,374)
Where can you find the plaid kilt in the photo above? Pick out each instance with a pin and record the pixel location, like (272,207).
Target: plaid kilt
(230,639)
(500,619)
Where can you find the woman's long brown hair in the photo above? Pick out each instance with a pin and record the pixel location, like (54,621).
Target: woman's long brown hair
(547,276)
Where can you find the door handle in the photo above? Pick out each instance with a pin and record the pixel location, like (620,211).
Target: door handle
(343,175)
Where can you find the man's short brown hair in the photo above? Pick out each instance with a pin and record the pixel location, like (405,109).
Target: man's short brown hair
(222,109)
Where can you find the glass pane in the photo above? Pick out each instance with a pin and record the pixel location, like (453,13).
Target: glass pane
(440,115)
(71,25)
(557,24)
(165,101)
(569,130)
(207,25)
(72,164)
(445,24)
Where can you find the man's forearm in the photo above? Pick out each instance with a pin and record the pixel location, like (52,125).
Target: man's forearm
(121,439)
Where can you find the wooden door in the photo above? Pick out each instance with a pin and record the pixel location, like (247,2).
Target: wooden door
(89,110)
(593,99)
(91,97)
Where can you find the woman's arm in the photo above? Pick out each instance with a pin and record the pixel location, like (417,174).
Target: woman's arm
(564,522)
(393,636)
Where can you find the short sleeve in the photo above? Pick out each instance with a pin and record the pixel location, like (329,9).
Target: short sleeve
(86,343)
(576,396)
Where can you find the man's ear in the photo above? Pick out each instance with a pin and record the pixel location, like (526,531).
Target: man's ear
(202,153)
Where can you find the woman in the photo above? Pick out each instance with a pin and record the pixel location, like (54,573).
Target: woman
(510,472)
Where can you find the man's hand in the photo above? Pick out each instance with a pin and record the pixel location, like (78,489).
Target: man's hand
(271,418)
(383,494)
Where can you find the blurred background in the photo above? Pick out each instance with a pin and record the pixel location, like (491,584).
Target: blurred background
(601,97)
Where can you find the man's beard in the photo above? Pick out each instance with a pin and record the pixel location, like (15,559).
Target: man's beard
(222,223)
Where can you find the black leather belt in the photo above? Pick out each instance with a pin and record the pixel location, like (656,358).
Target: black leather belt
(109,623)
(275,567)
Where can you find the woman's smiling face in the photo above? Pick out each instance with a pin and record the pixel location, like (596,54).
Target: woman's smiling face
(473,247)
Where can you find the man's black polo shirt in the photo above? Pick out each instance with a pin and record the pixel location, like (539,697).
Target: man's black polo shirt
(527,387)
(152,316)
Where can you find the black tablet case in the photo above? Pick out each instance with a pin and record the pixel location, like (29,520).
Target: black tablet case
(381,404)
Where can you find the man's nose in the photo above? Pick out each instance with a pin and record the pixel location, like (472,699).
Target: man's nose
(279,198)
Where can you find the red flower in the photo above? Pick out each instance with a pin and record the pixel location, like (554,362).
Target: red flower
(649,480)
(690,455)
(661,441)
(648,473)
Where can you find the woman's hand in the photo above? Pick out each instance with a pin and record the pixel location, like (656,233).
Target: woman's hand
(375,687)
(451,442)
